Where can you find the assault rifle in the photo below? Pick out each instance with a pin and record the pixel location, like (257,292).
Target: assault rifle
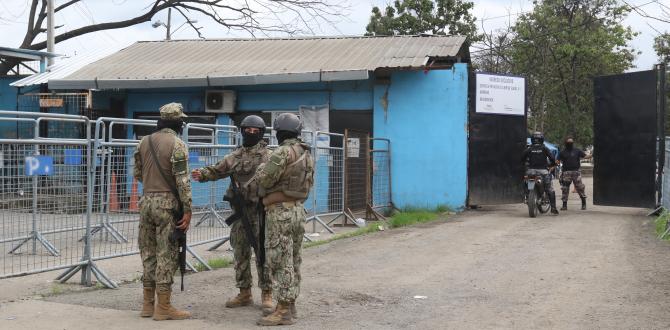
(237,202)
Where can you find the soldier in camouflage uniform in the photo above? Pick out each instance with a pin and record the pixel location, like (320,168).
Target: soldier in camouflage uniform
(285,182)
(158,206)
(241,164)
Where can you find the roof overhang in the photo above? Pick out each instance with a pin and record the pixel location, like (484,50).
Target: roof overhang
(281,78)
(25,54)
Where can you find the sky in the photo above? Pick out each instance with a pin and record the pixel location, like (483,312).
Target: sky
(491,15)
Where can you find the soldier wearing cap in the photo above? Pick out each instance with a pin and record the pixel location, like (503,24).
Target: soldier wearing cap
(241,164)
(285,181)
(158,207)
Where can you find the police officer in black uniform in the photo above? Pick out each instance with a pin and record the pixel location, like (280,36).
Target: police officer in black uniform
(539,159)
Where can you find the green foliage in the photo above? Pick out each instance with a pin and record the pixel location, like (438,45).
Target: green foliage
(661,224)
(412,17)
(403,219)
(370,228)
(560,47)
(662,47)
(215,263)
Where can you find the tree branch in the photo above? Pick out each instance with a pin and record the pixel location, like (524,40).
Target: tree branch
(65,5)
(146,17)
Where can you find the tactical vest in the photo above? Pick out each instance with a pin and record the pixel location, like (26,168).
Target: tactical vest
(152,180)
(298,178)
(537,158)
(244,168)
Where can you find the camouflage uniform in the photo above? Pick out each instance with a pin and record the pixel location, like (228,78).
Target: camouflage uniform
(568,177)
(242,164)
(286,180)
(158,205)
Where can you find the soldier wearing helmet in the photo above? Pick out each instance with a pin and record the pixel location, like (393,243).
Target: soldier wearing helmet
(538,158)
(158,207)
(285,182)
(241,164)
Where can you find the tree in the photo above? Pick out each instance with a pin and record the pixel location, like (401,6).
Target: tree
(662,47)
(411,17)
(560,47)
(257,16)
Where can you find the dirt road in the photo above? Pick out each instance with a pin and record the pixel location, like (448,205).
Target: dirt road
(484,269)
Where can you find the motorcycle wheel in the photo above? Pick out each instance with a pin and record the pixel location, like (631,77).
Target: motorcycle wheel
(543,204)
(532,203)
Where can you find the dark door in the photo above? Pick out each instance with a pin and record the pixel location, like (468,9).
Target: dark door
(496,142)
(625,131)
(358,125)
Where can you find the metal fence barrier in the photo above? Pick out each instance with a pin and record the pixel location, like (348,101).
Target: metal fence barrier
(326,200)
(380,166)
(70,202)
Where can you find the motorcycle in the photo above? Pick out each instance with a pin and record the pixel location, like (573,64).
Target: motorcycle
(537,198)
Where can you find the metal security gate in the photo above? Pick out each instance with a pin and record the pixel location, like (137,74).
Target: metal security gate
(496,142)
(625,139)
(356,173)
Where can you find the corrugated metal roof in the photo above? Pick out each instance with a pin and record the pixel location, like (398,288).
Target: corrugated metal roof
(182,63)
(64,67)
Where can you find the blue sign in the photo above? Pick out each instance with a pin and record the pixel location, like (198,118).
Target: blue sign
(73,157)
(39,165)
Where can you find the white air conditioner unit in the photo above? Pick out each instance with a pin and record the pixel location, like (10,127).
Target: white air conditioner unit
(220,101)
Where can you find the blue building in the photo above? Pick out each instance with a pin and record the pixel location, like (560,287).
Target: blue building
(412,90)
(22,63)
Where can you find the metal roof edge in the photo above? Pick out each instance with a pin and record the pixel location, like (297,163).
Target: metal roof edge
(303,38)
(282,78)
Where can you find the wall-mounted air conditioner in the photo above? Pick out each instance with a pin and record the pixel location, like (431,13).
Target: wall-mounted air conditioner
(220,101)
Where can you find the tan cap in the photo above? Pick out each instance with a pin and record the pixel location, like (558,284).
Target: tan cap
(172,111)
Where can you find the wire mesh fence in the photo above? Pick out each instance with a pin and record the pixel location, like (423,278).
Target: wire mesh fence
(326,202)
(44,210)
(357,170)
(68,202)
(380,168)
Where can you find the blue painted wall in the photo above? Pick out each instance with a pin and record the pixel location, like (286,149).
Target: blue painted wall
(345,95)
(8,102)
(425,116)
(423,113)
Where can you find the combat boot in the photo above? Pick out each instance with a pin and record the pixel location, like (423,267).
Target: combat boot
(565,206)
(281,316)
(266,302)
(583,203)
(165,311)
(149,300)
(242,299)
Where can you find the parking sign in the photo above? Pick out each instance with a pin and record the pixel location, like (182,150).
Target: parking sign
(39,165)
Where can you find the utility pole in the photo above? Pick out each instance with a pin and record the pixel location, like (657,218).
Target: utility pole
(167,34)
(50,30)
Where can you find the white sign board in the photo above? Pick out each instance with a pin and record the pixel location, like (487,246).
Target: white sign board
(500,94)
(353,147)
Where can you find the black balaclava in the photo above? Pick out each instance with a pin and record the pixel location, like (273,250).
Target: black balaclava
(284,135)
(250,140)
(175,125)
(569,145)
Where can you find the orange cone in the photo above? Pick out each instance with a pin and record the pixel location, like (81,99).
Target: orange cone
(133,197)
(113,198)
